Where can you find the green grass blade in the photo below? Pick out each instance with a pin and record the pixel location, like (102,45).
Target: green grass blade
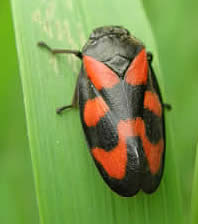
(194,192)
(18,202)
(69,188)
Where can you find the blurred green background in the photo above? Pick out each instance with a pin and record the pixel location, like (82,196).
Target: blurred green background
(17,194)
(174,25)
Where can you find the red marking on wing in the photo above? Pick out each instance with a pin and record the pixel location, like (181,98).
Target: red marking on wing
(151,102)
(114,161)
(153,151)
(138,70)
(99,74)
(94,110)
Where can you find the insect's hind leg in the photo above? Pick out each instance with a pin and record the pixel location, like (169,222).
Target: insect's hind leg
(60,109)
(64,51)
(150,59)
(74,101)
(167,106)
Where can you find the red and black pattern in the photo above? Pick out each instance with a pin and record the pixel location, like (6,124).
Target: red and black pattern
(121,110)
(122,117)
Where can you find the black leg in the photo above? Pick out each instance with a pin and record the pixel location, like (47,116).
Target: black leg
(60,51)
(60,109)
(64,51)
(74,103)
(167,106)
(149,57)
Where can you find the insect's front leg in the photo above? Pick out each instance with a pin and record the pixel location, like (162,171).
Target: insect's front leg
(77,53)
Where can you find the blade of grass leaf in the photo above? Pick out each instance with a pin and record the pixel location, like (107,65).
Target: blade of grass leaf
(69,188)
(194,199)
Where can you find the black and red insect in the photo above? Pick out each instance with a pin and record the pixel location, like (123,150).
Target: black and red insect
(121,110)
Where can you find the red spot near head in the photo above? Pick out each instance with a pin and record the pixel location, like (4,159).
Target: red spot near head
(100,75)
(151,102)
(138,70)
(94,110)
(114,161)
